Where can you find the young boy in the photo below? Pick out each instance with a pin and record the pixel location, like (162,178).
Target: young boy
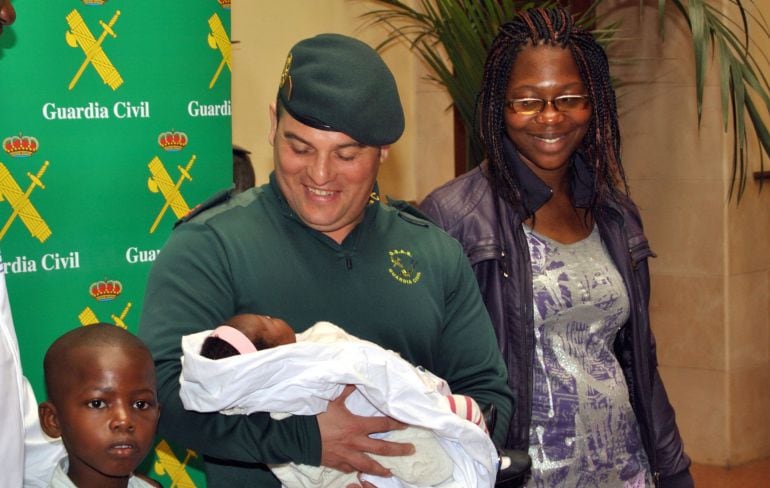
(291,379)
(102,402)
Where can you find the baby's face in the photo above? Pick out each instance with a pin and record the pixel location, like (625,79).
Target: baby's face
(263,331)
(107,412)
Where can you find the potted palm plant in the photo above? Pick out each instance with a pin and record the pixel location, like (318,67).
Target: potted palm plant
(452,36)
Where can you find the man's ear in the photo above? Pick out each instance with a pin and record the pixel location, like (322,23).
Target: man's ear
(384,151)
(49,419)
(273,124)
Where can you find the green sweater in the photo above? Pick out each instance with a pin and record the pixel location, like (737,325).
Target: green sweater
(396,280)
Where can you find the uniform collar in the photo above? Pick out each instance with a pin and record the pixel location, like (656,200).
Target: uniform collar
(534,192)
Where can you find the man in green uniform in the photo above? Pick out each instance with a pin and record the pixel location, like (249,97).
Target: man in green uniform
(316,243)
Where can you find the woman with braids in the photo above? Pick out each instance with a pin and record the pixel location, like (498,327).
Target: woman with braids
(559,253)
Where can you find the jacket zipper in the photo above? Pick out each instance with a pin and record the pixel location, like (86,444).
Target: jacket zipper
(528,343)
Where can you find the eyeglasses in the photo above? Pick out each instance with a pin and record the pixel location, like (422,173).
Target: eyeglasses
(532,106)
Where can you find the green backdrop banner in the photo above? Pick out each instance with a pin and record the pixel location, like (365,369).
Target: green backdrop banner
(115,121)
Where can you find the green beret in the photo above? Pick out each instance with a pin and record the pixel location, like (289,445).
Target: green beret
(337,83)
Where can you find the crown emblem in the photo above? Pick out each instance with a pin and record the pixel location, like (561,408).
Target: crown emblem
(105,290)
(20,146)
(172,141)
(224,3)
(94,2)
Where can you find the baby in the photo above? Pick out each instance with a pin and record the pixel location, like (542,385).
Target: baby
(249,333)
(102,402)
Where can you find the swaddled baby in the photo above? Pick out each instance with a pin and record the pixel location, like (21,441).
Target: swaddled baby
(247,334)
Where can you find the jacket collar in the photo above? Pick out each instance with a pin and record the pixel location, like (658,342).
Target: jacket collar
(533,191)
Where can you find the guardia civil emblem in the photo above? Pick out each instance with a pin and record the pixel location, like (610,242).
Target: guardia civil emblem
(80,35)
(20,199)
(104,291)
(218,39)
(403,267)
(160,181)
(286,83)
(167,464)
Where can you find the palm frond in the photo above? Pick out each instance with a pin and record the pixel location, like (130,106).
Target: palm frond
(743,86)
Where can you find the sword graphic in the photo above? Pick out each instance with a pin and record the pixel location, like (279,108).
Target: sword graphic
(119,320)
(185,175)
(25,198)
(190,453)
(216,74)
(95,49)
(167,463)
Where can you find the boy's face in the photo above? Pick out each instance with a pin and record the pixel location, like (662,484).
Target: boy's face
(105,410)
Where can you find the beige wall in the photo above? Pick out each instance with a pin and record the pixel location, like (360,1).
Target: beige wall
(748,282)
(266,30)
(711,286)
(711,280)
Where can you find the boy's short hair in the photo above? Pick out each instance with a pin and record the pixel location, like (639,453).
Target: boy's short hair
(96,335)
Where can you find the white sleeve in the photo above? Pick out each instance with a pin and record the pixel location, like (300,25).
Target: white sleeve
(41,453)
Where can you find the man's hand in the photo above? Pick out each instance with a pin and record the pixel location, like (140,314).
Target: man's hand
(345,439)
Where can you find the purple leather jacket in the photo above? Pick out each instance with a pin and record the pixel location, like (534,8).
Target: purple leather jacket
(491,233)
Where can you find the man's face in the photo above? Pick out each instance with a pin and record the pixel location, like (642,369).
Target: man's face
(326,177)
(7,14)
(106,412)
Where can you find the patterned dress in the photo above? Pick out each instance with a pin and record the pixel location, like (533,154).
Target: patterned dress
(583,432)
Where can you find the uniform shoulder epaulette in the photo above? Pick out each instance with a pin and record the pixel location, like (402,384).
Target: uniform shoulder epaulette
(218,198)
(409,212)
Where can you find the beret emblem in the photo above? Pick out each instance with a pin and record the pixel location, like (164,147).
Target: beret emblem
(286,79)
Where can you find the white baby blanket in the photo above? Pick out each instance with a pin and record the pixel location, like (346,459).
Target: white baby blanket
(301,378)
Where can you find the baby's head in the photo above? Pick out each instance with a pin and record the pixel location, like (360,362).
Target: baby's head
(260,330)
(102,402)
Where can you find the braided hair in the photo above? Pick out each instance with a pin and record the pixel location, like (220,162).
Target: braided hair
(601,144)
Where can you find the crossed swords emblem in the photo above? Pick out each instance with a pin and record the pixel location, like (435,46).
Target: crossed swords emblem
(22,207)
(80,35)
(88,317)
(161,181)
(218,40)
(168,464)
